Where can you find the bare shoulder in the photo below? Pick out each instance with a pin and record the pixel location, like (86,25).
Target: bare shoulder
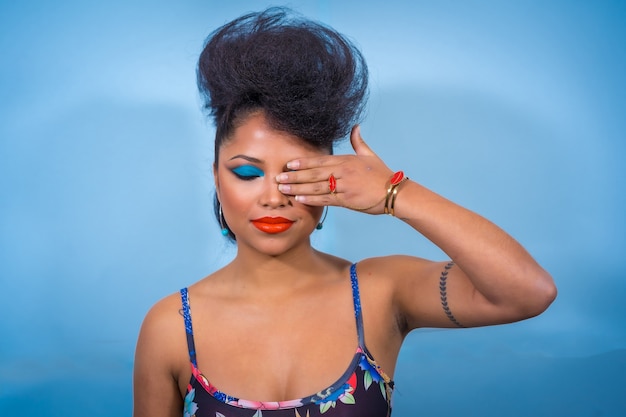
(394,268)
(395,275)
(161,343)
(160,360)
(409,286)
(163,318)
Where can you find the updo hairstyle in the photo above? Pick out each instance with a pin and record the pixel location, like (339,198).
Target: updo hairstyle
(307,79)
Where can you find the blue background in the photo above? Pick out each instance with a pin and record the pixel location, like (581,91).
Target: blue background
(513,109)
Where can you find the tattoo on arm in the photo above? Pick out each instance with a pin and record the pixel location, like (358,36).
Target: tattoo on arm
(444,294)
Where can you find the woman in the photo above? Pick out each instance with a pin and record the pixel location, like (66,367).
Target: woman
(284,329)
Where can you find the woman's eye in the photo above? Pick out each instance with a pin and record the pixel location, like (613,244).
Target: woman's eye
(248,172)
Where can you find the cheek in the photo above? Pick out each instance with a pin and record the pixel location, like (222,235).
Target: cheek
(232,201)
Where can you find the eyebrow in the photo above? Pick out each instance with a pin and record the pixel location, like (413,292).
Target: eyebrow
(247,158)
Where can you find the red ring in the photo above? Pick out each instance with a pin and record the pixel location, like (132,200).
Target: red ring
(332,184)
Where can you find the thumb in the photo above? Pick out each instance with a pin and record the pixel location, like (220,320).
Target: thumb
(357,142)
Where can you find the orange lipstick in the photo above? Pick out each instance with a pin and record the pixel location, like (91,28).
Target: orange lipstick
(272,225)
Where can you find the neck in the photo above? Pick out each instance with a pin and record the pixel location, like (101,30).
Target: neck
(261,272)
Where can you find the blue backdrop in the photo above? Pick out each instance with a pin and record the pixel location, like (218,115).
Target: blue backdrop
(513,109)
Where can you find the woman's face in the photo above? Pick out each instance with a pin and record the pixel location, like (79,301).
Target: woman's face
(261,217)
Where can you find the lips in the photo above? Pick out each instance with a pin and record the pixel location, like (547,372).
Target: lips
(272,225)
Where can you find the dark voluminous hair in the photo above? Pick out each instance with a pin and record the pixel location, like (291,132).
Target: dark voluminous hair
(307,79)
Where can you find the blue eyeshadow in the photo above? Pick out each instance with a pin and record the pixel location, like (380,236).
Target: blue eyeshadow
(248,171)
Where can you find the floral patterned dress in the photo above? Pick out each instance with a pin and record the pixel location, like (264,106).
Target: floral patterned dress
(364,390)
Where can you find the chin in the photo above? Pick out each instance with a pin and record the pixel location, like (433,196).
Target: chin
(274,245)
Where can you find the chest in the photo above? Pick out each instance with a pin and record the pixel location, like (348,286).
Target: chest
(279,351)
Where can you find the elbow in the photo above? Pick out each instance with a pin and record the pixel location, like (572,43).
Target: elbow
(541,295)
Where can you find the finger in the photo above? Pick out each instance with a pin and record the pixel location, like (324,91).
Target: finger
(358,144)
(303,176)
(315,188)
(318,200)
(315,162)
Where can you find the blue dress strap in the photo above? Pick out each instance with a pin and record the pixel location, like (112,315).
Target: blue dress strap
(184,295)
(356,299)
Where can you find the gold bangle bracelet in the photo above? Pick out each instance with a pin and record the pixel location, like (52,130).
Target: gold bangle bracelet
(395,194)
(392,191)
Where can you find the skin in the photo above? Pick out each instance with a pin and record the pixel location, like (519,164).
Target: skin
(285,302)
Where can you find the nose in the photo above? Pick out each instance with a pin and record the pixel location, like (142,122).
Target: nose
(270,196)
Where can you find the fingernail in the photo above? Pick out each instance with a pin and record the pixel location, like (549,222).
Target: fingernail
(300,199)
(281,177)
(293,164)
(284,188)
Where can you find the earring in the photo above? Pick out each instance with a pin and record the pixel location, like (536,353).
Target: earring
(320,225)
(221,216)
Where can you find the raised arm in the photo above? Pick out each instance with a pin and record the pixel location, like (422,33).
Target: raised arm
(492,279)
